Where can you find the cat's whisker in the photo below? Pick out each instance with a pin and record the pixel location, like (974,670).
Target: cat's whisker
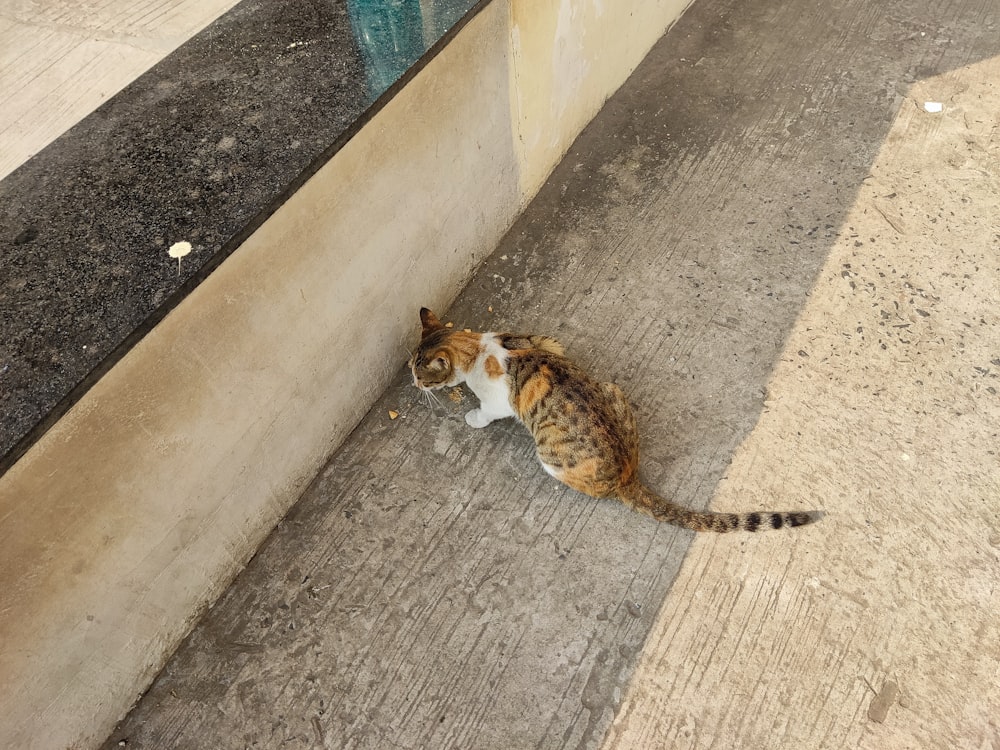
(430,398)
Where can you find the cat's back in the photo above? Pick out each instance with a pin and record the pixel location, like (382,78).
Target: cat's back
(549,387)
(584,429)
(544,379)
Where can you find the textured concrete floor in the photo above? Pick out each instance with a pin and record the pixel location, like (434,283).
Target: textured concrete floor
(793,270)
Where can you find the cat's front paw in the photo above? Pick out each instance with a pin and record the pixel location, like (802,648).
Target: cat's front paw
(476,418)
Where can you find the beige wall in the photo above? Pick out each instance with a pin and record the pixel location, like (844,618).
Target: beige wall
(135,511)
(569,57)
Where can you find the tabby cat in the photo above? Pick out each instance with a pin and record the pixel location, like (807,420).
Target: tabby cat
(584,431)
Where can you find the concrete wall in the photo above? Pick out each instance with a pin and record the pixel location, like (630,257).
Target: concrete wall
(129,517)
(568,57)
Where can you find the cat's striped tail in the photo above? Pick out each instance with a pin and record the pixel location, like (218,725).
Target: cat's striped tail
(644,500)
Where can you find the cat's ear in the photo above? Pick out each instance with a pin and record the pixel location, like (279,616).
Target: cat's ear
(440,362)
(429,321)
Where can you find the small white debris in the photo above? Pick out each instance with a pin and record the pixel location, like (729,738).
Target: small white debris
(179,250)
(904,456)
(933,106)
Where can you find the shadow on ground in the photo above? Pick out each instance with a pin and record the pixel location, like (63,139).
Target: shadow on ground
(434,588)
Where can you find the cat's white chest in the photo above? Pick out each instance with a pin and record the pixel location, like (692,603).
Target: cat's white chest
(488,380)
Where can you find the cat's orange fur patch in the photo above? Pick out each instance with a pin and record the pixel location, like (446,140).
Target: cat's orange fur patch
(535,389)
(463,348)
(492,367)
(630,467)
(583,478)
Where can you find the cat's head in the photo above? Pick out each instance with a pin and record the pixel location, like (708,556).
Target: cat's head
(433,363)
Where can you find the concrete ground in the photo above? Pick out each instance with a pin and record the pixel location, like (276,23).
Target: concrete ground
(792,268)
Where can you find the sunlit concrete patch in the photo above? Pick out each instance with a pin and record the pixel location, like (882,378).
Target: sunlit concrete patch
(877,627)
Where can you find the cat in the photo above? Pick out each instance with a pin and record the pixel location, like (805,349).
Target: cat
(585,432)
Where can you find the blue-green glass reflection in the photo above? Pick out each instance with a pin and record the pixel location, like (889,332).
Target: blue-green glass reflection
(393,34)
